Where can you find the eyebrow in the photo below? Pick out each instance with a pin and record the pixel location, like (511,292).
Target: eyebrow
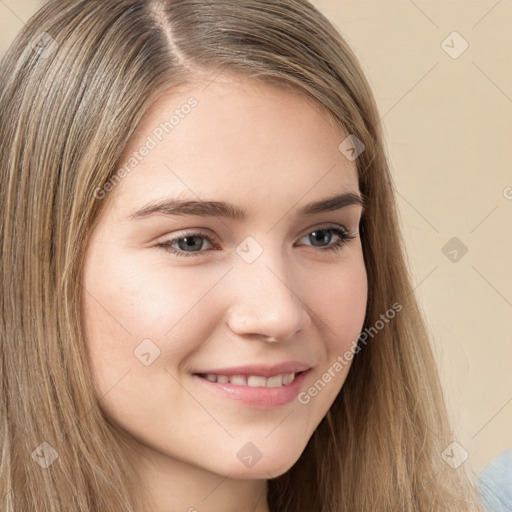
(172,207)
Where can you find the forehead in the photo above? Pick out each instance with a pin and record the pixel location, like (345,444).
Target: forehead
(234,137)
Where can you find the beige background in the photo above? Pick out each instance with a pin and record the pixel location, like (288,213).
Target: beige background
(448,126)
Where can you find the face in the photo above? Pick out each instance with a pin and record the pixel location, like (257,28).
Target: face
(193,317)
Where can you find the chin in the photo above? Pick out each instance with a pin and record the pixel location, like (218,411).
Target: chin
(271,465)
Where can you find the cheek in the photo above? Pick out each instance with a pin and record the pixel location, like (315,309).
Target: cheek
(339,299)
(339,302)
(127,302)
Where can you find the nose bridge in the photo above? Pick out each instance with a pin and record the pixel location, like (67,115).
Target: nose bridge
(263,300)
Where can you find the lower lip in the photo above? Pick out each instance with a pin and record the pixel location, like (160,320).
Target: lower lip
(260,397)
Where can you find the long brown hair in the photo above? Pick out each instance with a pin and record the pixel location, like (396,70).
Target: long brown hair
(74,85)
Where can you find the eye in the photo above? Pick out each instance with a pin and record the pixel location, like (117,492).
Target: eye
(185,242)
(321,234)
(190,244)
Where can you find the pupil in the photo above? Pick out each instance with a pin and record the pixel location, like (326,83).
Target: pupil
(317,238)
(188,242)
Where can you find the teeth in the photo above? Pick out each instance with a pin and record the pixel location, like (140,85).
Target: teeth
(253,381)
(273,382)
(288,378)
(238,380)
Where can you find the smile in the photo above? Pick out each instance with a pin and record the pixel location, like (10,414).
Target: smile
(254,390)
(253,381)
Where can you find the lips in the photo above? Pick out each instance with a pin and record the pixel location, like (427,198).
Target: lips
(256,386)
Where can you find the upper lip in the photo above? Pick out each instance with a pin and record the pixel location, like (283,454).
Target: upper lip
(261,370)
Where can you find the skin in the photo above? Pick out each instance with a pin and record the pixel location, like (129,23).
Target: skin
(270,151)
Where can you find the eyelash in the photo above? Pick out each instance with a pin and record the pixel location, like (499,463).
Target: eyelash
(344,237)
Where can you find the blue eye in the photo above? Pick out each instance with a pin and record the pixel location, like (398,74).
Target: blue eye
(186,242)
(194,240)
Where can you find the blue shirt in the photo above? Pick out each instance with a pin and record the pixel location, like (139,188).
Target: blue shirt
(495,483)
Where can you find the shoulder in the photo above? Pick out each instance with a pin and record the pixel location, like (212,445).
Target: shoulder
(495,483)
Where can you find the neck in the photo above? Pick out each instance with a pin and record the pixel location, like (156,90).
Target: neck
(176,486)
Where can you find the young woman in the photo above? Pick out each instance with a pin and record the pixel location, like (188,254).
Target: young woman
(205,297)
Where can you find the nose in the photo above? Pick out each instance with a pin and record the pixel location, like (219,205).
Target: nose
(263,301)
